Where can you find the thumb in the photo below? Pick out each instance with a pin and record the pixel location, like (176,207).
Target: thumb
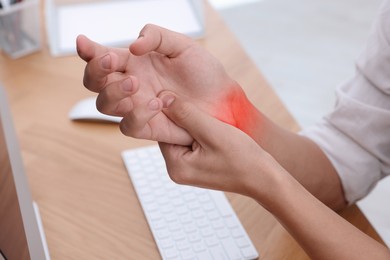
(200,125)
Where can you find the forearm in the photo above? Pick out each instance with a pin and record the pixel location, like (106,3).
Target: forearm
(301,157)
(320,231)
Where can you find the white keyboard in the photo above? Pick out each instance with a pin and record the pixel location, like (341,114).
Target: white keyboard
(186,222)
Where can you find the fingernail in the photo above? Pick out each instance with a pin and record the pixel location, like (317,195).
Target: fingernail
(154,104)
(127,85)
(106,62)
(167,100)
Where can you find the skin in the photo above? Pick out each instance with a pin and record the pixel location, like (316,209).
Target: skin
(129,80)
(234,162)
(253,157)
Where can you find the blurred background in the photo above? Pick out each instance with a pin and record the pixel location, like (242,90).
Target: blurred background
(305,49)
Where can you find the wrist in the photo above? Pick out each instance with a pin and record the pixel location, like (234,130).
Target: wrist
(271,183)
(237,110)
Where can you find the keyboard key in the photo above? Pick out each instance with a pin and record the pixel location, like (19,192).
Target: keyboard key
(218,253)
(231,249)
(212,241)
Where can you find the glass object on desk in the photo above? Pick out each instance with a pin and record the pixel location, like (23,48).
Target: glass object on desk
(20,28)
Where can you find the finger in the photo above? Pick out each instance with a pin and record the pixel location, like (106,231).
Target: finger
(101,62)
(97,71)
(147,122)
(202,127)
(137,123)
(161,40)
(88,49)
(116,98)
(173,155)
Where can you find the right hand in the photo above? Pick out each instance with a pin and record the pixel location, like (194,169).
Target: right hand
(221,156)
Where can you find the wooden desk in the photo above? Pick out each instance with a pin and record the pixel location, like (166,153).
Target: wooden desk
(88,205)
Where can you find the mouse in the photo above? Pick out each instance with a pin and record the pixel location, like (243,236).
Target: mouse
(85,110)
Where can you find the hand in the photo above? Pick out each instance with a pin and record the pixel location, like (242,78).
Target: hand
(128,82)
(221,156)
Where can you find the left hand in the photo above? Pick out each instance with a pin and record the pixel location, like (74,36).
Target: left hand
(129,80)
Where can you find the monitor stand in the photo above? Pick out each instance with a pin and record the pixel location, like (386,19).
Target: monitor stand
(41,231)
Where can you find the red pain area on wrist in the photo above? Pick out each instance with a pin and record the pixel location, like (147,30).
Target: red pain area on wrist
(236,110)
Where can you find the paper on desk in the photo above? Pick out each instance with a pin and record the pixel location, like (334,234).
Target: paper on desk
(118,23)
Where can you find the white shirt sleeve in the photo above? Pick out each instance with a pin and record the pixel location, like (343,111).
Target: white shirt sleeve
(356,134)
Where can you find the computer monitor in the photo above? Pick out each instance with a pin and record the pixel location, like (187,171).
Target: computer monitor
(21,233)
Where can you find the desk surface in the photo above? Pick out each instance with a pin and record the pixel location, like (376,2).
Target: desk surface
(88,204)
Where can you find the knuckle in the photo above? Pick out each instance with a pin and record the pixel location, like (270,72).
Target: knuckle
(85,80)
(179,177)
(127,128)
(101,104)
(123,107)
(148,27)
(123,127)
(88,80)
(180,173)
(93,78)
